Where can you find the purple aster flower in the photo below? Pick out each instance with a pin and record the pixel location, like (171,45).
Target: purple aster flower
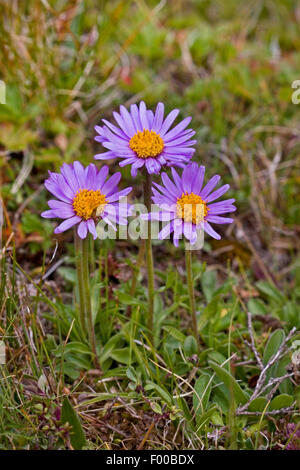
(84,196)
(145,138)
(188,206)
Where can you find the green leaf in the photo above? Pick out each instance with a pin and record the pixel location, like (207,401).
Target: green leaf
(270,290)
(258,404)
(109,347)
(164,395)
(68,274)
(230,383)
(286,386)
(69,415)
(208,282)
(121,355)
(281,401)
(128,299)
(69,370)
(217,419)
(190,346)
(182,404)
(131,374)
(175,333)
(208,312)
(205,417)
(170,279)
(257,307)
(273,344)
(217,357)
(201,395)
(72,347)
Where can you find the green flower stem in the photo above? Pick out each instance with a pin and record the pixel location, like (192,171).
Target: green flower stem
(78,257)
(190,283)
(86,319)
(149,255)
(136,272)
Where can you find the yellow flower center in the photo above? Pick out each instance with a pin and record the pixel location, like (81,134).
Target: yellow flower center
(86,201)
(146,144)
(191,208)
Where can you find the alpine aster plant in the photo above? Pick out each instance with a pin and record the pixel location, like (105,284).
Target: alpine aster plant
(83,197)
(144,138)
(188,207)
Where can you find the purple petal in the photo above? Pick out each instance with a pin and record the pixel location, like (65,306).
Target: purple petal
(188,230)
(116,196)
(62,209)
(152,165)
(129,126)
(104,156)
(111,183)
(170,186)
(218,193)
(198,180)
(208,229)
(121,123)
(158,118)
(160,216)
(92,228)
(150,117)
(91,173)
(49,214)
(115,129)
(57,188)
(221,210)
(136,165)
(82,229)
(70,178)
(168,121)
(214,219)
(80,174)
(166,231)
(134,110)
(108,221)
(226,202)
(177,179)
(178,228)
(101,177)
(66,224)
(181,140)
(109,136)
(173,151)
(188,176)
(143,115)
(129,161)
(177,129)
(210,186)
(194,236)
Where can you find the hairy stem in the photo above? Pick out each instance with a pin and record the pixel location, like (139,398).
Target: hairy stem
(190,282)
(86,319)
(78,257)
(149,255)
(136,272)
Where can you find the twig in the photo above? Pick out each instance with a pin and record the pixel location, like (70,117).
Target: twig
(253,347)
(288,410)
(260,387)
(140,447)
(276,381)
